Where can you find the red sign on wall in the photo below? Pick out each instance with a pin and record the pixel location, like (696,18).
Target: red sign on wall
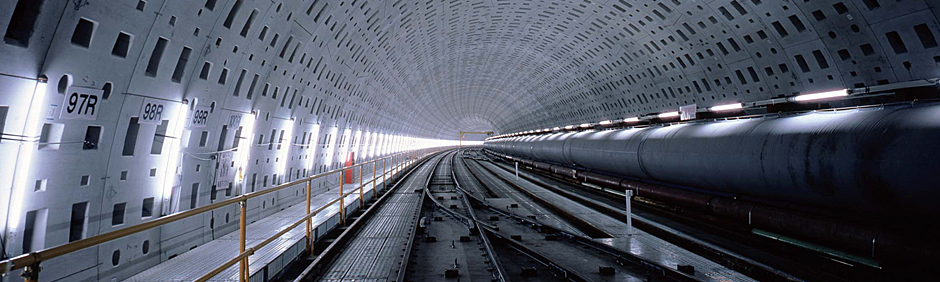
(350,161)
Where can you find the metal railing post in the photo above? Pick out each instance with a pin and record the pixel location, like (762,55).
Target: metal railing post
(342,199)
(383,173)
(309,227)
(361,201)
(31,272)
(243,228)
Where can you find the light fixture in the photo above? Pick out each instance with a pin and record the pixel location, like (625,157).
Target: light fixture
(728,107)
(631,120)
(570,127)
(668,114)
(556,128)
(821,95)
(585,125)
(606,122)
(30,145)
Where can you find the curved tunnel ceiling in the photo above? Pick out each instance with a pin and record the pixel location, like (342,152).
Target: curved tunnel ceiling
(530,64)
(431,68)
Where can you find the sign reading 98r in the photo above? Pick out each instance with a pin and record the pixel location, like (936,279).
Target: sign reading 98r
(151,111)
(81,103)
(200,116)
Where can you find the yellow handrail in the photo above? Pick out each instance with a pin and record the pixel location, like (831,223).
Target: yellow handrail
(34,258)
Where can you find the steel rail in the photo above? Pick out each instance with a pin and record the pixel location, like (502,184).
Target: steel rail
(576,221)
(653,267)
(490,251)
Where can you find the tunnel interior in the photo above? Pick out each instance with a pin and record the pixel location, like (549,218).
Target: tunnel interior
(114,113)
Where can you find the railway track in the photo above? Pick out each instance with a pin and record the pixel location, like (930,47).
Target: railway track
(515,247)
(763,259)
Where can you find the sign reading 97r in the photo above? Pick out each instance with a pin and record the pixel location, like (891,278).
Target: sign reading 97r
(81,103)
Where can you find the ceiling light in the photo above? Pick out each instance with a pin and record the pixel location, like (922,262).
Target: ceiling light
(585,125)
(821,95)
(633,119)
(556,128)
(668,114)
(728,107)
(606,122)
(570,127)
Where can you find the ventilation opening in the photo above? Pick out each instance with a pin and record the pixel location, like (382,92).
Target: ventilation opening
(867,49)
(121,45)
(222,136)
(51,136)
(210,4)
(22,22)
(107,88)
(77,224)
(780,30)
(156,147)
(130,139)
(802,62)
(154,64)
(238,137)
(34,230)
(145,247)
(64,82)
(238,84)
(896,42)
(116,257)
(926,37)
(117,215)
(181,65)
(83,33)
(820,59)
(204,138)
(251,89)
(193,196)
(3,119)
(92,135)
(223,76)
(247,27)
(146,209)
(232,13)
(206,67)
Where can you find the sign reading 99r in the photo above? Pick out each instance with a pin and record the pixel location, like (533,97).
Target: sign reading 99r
(200,116)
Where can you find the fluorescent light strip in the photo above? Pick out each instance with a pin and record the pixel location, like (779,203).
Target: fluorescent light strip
(30,131)
(668,114)
(822,95)
(728,107)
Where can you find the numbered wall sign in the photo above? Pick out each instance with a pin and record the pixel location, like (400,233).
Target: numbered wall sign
(200,116)
(81,103)
(235,121)
(152,111)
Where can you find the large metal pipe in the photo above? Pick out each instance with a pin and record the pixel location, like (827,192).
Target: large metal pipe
(873,160)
